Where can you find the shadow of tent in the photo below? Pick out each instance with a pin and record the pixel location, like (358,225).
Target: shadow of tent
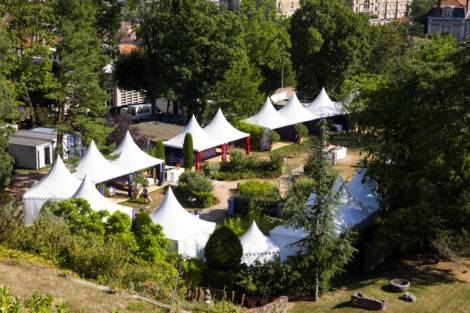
(346,304)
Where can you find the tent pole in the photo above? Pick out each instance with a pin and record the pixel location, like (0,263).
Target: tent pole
(129,183)
(222,147)
(200,159)
(247,145)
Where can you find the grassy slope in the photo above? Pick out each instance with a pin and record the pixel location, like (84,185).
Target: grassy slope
(23,274)
(440,288)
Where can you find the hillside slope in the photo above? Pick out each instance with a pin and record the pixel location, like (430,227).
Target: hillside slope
(23,275)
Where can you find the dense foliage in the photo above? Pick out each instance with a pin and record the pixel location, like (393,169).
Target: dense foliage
(418,115)
(37,303)
(223,250)
(256,196)
(329,43)
(241,166)
(196,189)
(95,245)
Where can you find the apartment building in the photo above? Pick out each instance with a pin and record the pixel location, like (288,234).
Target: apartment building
(381,11)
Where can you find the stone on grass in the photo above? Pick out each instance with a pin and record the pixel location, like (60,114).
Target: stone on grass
(359,300)
(409,297)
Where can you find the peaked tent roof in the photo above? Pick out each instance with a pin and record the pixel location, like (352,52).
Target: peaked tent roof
(323,106)
(268,117)
(257,246)
(132,158)
(363,189)
(222,130)
(295,111)
(190,232)
(58,183)
(98,202)
(202,140)
(97,167)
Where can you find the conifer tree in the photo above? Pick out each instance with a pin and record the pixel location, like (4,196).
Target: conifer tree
(80,99)
(310,206)
(188,152)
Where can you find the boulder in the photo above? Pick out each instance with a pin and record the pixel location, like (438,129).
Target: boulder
(360,301)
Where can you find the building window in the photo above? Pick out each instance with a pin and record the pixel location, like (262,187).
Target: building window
(446,12)
(366,4)
(446,29)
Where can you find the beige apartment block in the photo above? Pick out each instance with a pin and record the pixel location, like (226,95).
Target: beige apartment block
(385,10)
(288,7)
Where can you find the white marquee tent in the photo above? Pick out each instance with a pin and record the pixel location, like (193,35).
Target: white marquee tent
(357,200)
(97,167)
(202,140)
(257,247)
(220,129)
(295,111)
(98,202)
(323,106)
(131,158)
(363,189)
(190,232)
(59,184)
(268,117)
(286,238)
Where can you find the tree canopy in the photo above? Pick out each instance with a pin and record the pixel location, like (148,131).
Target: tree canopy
(329,43)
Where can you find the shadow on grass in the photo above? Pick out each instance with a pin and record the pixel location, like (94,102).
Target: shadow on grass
(420,275)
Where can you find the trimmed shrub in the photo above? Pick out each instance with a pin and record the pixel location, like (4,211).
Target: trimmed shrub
(196,188)
(255,194)
(210,169)
(223,249)
(158,150)
(188,152)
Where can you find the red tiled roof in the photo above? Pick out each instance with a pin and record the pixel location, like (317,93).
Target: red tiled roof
(458,3)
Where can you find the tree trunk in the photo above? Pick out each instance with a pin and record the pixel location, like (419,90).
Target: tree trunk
(315,285)
(29,102)
(60,132)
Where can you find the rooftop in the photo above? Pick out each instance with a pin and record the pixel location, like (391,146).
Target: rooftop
(155,131)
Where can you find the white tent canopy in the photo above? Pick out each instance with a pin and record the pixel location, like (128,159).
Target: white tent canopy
(202,140)
(97,201)
(257,247)
(222,130)
(286,238)
(131,158)
(363,189)
(295,111)
(268,117)
(59,184)
(323,106)
(190,232)
(97,167)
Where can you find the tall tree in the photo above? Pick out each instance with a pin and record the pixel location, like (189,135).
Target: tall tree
(8,107)
(108,21)
(268,43)
(418,115)
(80,99)
(309,207)
(188,152)
(30,28)
(418,12)
(329,43)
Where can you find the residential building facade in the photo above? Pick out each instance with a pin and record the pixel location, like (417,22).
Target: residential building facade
(381,11)
(288,7)
(451,17)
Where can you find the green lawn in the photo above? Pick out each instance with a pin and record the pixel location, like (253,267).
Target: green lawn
(442,288)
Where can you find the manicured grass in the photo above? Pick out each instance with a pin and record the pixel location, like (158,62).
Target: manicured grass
(443,288)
